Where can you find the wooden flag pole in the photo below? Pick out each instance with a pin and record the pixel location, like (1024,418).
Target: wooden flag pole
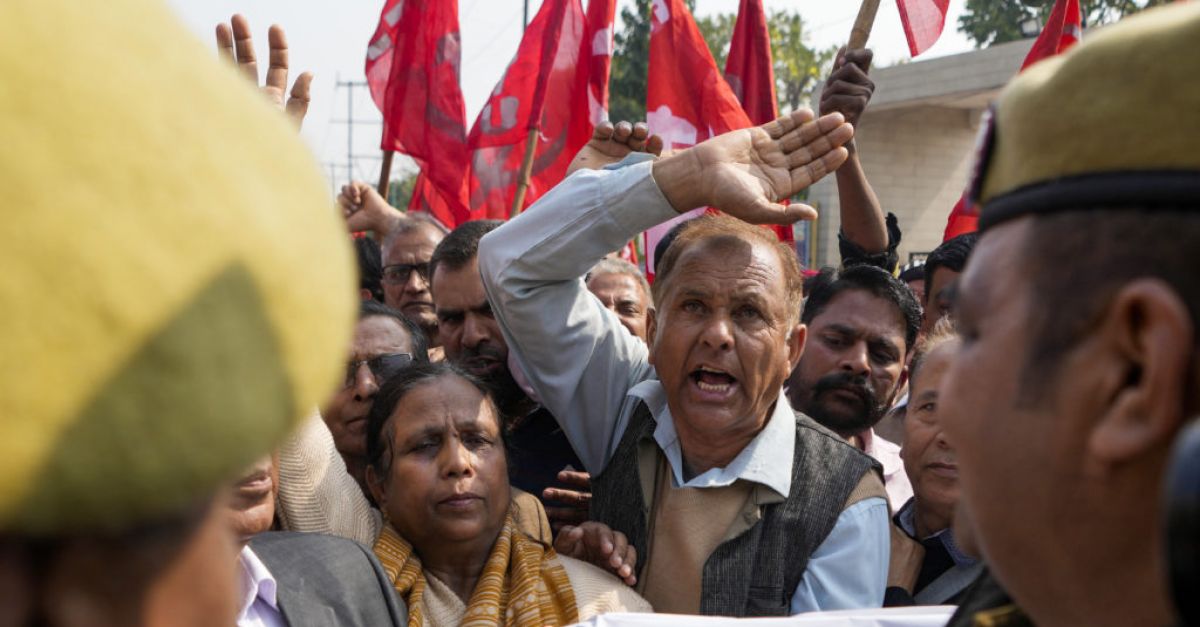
(526,170)
(862,24)
(385,173)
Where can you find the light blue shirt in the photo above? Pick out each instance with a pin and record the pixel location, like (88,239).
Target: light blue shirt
(592,374)
(259,603)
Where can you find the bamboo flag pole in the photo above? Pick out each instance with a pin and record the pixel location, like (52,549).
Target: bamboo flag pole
(385,173)
(863,24)
(526,169)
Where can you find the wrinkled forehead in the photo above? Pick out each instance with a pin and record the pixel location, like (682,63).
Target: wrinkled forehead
(415,245)
(616,282)
(443,403)
(732,262)
(378,335)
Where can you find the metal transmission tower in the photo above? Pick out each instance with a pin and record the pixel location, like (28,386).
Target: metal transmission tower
(353,168)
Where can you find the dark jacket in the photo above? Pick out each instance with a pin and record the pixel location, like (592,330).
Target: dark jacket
(327,580)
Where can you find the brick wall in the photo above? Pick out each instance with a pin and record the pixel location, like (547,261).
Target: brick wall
(917,159)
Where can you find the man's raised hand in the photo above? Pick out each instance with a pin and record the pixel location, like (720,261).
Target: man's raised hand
(235,44)
(748,172)
(610,143)
(365,210)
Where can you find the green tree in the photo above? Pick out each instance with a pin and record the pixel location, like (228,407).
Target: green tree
(990,22)
(798,67)
(400,190)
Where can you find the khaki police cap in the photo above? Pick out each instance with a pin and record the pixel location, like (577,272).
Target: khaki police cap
(1114,122)
(176,288)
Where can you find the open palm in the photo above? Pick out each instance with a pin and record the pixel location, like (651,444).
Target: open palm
(746,173)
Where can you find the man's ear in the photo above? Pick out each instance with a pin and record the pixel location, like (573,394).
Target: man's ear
(1149,330)
(651,331)
(796,340)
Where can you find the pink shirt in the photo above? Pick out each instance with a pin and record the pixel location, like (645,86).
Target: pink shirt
(895,480)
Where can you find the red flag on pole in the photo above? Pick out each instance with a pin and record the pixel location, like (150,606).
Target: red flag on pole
(923,21)
(413,73)
(543,86)
(750,72)
(1063,29)
(687,98)
(748,68)
(598,47)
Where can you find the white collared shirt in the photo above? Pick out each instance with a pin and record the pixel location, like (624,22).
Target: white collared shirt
(258,588)
(592,374)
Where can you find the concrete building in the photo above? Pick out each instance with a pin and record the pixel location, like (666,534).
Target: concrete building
(916,141)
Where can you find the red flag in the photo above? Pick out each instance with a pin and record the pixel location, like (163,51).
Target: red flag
(1063,29)
(413,72)
(598,46)
(750,73)
(748,68)
(961,220)
(687,98)
(543,86)
(923,21)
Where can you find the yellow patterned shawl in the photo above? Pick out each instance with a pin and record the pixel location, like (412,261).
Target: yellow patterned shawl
(521,582)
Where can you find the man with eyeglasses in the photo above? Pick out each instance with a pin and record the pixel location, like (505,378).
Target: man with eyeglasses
(407,250)
(384,343)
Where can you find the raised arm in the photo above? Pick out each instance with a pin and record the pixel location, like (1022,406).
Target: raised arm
(848,90)
(235,44)
(576,354)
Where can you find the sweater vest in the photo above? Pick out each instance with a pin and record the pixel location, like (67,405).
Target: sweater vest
(756,572)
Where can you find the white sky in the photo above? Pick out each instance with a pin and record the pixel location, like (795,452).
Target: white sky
(330,40)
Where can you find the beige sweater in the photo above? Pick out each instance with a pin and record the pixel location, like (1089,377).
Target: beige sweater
(596,592)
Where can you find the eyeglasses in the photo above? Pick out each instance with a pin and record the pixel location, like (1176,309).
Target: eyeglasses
(382,367)
(401,272)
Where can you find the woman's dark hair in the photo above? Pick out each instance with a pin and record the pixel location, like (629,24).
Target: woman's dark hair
(394,391)
(370,266)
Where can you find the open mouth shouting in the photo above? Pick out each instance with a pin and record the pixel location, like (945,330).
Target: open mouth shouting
(713,384)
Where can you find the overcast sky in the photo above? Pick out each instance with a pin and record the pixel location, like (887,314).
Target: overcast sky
(330,40)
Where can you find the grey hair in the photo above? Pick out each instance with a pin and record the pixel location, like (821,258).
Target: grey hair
(619,266)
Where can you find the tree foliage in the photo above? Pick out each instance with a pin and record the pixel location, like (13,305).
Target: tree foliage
(798,67)
(990,22)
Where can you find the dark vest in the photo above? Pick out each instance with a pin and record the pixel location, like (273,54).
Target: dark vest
(755,573)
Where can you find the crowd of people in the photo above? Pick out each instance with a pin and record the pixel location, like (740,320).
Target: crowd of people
(526,431)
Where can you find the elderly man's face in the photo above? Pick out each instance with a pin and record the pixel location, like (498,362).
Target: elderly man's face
(624,296)
(1015,453)
(346,413)
(406,275)
(853,362)
(929,460)
(723,340)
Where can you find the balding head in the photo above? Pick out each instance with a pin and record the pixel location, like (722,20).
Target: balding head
(723,230)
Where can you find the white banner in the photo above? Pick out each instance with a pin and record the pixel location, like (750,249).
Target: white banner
(923,616)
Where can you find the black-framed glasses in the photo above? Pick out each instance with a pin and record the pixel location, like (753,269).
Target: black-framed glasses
(399,274)
(382,367)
